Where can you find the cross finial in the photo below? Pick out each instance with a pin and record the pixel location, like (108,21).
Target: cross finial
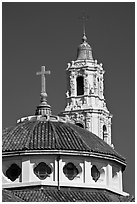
(84,18)
(43,82)
(43,108)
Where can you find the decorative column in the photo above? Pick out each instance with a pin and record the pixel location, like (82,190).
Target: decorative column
(109,175)
(25,169)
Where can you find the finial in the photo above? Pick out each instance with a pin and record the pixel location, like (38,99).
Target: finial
(84,51)
(43,83)
(43,108)
(84,19)
(84,38)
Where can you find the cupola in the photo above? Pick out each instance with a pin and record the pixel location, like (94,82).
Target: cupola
(84,51)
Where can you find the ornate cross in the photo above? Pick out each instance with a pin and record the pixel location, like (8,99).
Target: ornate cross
(43,81)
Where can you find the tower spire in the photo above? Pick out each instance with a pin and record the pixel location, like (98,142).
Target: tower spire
(84,51)
(84,19)
(43,108)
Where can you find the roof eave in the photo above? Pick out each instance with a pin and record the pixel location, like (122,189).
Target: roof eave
(66,152)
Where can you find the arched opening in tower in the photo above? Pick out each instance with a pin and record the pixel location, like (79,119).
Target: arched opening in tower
(104,131)
(80,125)
(80,85)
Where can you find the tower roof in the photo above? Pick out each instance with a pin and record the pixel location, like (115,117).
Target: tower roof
(55,135)
(84,51)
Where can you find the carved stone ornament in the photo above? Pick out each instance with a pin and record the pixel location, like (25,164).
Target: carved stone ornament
(72,85)
(73,118)
(86,83)
(80,64)
(69,65)
(79,103)
(79,117)
(91,90)
(67,94)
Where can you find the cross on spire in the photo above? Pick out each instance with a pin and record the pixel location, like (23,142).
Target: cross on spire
(84,18)
(43,80)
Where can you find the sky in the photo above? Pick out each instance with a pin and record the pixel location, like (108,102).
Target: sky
(36,34)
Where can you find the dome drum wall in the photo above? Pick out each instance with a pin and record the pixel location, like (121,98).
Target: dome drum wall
(43,109)
(57,176)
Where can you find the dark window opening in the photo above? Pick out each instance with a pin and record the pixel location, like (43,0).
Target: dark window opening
(70,171)
(80,85)
(104,131)
(13,172)
(80,125)
(42,170)
(95,173)
(114,172)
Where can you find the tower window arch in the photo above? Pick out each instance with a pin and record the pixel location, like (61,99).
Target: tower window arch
(104,131)
(80,124)
(80,85)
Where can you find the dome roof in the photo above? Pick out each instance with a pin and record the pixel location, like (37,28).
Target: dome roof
(45,134)
(84,50)
(51,194)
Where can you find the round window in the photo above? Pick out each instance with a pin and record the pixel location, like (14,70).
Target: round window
(42,170)
(70,171)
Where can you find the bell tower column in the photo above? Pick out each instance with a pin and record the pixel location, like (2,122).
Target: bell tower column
(86,105)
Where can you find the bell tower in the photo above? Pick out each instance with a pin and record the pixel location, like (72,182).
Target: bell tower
(86,104)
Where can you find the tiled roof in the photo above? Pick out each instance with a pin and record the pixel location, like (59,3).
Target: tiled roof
(49,135)
(43,194)
(84,50)
(8,196)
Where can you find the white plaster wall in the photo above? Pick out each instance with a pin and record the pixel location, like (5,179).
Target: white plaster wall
(84,179)
(95,124)
(26,169)
(116,177)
